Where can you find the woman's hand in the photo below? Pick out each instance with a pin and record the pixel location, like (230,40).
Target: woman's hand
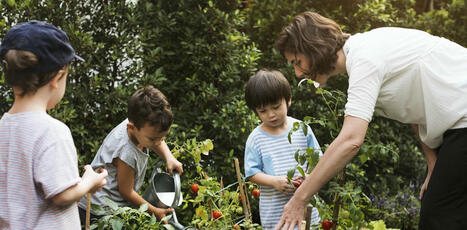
(292,215)
(425,185)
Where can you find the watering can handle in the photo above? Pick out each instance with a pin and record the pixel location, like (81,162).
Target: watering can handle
(178,192)
(157,169)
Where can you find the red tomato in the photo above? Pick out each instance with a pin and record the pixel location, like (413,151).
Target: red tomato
(194,188)
(240,197)
(237,227)
(216,214)
(299,182)
(255,193)
(326,224)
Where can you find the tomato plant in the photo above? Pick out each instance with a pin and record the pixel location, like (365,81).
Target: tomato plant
(194,188)
(255,193)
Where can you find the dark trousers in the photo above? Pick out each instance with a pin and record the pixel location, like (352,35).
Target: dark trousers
(444,203)
(82,217)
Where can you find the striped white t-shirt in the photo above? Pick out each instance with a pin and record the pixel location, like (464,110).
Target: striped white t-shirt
(37,161)
(274,155)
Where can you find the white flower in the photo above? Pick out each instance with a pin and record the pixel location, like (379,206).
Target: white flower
(315,83)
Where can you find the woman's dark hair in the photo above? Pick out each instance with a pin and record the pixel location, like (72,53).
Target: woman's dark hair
(317,37)
(266,87)
(14,64)
(149,105)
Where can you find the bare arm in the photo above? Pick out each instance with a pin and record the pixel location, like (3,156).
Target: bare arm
(339,153)
(126,181)
(163,151)
(90,182)
(431,155)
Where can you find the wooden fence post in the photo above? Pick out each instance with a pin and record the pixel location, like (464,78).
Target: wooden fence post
(246,210)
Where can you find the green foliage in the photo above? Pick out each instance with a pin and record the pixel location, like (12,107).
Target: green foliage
(208,62)
(128,218)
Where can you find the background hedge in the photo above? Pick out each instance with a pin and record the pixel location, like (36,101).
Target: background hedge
(200,54)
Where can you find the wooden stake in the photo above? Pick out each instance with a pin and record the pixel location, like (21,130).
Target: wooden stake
(337,200)
(242,192)
(247,198)
(88,210)
(308,212)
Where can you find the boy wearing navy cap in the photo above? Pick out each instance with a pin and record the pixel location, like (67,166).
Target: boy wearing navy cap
(38,163)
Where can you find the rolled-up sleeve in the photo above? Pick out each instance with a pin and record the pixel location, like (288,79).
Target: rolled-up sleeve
(364,85)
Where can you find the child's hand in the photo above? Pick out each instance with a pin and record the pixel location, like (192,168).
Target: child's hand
(160,212)
(96,180)
(283,185)
(172,164)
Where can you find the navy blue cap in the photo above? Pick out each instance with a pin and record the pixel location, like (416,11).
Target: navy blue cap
(50,44)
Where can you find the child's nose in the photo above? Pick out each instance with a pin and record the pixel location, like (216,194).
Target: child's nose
(271,114)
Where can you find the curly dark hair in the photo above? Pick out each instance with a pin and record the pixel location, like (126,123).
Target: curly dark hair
(149,105)
(15,64)
(317,37)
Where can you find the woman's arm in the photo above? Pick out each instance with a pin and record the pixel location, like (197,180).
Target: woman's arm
(339,153)
(431,155)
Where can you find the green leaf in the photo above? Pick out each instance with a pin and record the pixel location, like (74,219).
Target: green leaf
(302,159)
(143,207)
(116,224)
(363,158)
(166,218)
(305,128)
(296,155)
(110,203)
(301,171)
(99,210)
(378,225)
(290,173)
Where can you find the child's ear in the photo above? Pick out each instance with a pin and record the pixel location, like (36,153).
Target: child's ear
(289,102)
(54,82)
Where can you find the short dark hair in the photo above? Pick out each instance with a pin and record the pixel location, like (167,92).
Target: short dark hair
(14,63)
(149,105)
(266,87)
(317,37)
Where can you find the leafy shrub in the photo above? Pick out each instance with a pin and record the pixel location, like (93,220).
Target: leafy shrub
(127,218)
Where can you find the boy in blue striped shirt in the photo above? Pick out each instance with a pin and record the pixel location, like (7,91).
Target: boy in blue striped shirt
(268,153)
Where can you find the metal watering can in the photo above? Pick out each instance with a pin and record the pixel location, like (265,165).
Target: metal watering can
(164,191)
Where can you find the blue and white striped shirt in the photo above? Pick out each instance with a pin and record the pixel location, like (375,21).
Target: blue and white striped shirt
(274,155)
